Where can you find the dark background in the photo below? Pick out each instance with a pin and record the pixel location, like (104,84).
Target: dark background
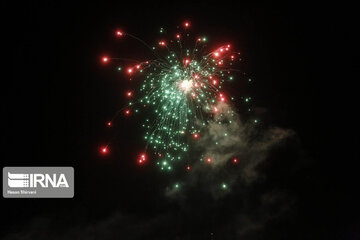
(56,97)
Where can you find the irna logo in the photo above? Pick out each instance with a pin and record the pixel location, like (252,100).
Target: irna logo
(21,180)
(38,182)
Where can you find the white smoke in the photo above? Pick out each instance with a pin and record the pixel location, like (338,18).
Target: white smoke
(224,138)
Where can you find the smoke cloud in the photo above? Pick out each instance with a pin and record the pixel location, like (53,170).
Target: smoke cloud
(224,138)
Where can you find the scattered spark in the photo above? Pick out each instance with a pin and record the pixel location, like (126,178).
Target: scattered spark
(105,59)
(142,158)
(129,94)
(119,33)
(104,150)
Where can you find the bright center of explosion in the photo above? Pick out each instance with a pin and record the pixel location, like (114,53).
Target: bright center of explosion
(186,85)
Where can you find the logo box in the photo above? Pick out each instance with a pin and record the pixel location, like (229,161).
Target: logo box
(38,182)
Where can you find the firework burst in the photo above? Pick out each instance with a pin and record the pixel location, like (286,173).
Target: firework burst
(180,93)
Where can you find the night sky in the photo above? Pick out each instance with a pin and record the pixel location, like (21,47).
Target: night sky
(57,97)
